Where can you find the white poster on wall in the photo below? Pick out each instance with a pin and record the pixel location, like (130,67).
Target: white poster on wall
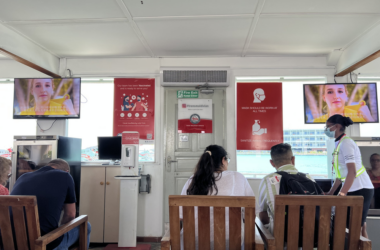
(194,116)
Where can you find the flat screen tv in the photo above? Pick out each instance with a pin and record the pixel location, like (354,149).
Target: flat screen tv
(52,98)
(355,100)
(109,148)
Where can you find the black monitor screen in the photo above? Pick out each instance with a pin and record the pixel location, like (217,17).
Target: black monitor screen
(109,148)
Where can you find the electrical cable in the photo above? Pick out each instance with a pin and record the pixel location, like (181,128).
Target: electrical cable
(43,130)
(84,98)
(351,77)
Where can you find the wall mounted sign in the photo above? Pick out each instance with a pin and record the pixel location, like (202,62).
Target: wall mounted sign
(134,102)
(259,116)
(195,116)
(187,94)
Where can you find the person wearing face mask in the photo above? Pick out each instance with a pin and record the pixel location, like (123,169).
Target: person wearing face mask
(139,106)
(336,96)
(348,166)
(42,91)
(5,174)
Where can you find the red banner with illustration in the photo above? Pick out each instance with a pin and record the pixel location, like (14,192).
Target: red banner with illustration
(134,106)
(195,116)
(259,116)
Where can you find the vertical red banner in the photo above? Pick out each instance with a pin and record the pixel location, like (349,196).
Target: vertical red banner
(134,102)
(259,116)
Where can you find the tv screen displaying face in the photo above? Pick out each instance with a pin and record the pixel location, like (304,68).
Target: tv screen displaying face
(46,98)
(109,148)
(357,101)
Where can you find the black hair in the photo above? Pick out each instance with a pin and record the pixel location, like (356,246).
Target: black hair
(281,153)
(342,120)
(139,96)
(373,155)
(203,181)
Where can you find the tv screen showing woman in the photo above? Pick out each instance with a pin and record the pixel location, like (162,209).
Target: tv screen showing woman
(47,98)
(357,101)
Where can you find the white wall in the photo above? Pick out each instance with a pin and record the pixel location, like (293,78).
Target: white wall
(150,221)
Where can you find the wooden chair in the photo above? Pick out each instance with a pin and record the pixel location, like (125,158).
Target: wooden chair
(27,233)
(252,239)
(294,202)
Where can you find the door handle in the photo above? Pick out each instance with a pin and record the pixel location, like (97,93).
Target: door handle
(168,164)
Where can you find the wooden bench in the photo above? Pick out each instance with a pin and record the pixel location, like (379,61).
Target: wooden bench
(27,233)
(310,203)
(252,238)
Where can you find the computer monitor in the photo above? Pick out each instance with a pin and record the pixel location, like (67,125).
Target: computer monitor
(109,148)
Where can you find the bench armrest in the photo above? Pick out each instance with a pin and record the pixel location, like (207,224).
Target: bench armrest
(266,236)
(42,241)
(165,241)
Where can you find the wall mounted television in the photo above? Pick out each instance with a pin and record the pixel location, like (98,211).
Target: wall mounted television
(46,98)
(355,100)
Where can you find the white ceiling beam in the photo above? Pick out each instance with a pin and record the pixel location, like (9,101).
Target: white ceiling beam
(134,26)
(63,21)
(23,47)
(333,57)
(363,47)
(259,8)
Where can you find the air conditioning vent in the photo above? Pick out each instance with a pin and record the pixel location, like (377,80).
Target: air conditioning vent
(192,77)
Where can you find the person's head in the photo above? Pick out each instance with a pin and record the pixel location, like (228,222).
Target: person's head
(126,98)
(374,159)
(336,125)
(59,164)
(335,96)
(42,90)
(281,154)
(213,161)
(5,170)
(258,95)
(139,98)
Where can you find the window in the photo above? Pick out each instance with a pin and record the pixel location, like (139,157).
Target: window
(311,156)
(97,120)
(9,126)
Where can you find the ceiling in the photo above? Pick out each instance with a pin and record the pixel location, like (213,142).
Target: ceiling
(190,28)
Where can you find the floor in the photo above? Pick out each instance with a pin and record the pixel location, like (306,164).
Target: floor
(155,246)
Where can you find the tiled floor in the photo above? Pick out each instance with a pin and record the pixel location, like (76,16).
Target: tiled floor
(155,246)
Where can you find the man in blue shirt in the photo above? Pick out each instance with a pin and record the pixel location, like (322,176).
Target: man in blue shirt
(54,188)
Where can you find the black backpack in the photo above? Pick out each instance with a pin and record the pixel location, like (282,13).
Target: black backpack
(299,184)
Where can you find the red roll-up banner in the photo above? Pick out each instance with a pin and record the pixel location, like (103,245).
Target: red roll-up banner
(134,106)
(259,116)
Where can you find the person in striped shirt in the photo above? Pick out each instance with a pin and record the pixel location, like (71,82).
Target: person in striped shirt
(282,159)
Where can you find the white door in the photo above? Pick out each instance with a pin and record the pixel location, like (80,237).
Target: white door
(182,151)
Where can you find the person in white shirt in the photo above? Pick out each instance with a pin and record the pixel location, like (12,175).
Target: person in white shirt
(211,177)
(348,166)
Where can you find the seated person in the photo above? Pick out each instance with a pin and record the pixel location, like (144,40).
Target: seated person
(5,173)
(54,188)
(282,159)
(211,177)
(374,174)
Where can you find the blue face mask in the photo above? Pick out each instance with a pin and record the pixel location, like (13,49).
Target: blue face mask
(330,133)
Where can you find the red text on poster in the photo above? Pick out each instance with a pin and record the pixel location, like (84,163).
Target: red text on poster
(194,116)
(134,106)
(259,116)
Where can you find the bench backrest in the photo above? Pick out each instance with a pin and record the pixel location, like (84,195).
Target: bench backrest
(25,232)
(235,203)
(310,203)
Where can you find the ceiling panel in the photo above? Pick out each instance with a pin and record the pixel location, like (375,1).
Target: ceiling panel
(306,35)
(323,6)
(196,37)
(154,8)
(85,39)
(49,9)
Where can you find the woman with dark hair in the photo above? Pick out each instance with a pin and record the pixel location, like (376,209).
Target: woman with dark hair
(348,166)
(211,177)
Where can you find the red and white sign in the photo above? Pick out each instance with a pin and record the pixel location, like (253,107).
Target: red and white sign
(130,138)
(134,102)
(194,116)
(259,116)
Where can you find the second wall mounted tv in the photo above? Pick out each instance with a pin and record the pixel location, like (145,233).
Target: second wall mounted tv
(355,100)
(46,98)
